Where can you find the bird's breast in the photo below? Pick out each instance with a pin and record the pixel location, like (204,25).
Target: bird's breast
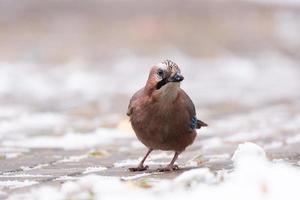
(161,118)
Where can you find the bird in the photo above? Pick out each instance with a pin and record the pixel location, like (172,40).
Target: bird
(162,115)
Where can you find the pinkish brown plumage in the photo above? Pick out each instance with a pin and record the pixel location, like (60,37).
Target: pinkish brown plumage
(162,115)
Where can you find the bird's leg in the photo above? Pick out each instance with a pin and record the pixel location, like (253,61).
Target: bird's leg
(141,166)
(171,166)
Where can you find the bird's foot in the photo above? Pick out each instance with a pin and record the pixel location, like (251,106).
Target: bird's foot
(168,168)
(139,168)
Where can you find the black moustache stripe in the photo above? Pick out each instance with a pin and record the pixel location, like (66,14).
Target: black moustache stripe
(161,83)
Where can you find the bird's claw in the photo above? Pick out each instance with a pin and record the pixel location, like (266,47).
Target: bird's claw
(168,168)
(139,168)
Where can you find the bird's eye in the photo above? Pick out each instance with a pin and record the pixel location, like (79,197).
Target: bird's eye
(160,72)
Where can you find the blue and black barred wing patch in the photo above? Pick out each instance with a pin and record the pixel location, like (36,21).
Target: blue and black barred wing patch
(197,124)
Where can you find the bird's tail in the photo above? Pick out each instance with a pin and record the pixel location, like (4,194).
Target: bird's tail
(200,124)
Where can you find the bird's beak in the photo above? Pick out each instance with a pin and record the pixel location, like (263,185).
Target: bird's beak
(176,78)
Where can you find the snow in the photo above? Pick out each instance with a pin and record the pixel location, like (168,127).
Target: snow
(273,145)
(267,124)
(69,140)
(277,2)
(66,178)
(242,136)
(94,169)
(211,143)
(151,160)
(39,166)
(246,152)
(128,178)
(218,157)
(229,76)
(253,177)
(293,139)
(16,184)
(195,162)
(30,121)
(39,117)
(73,159)
(38,121)
(135,162)
(195,177)
(11,155)
(23,175)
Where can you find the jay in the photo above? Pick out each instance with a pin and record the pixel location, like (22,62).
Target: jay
(162,115)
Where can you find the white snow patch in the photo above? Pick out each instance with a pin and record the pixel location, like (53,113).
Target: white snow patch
(16,184)
(278,161)
(195,177)
(273,145)
(254,177)
(277,2)
(69,140)
(24,175)
(27,122)
(12,155)
(40,166)
(128,178)
(162,155)
(25,168)
(150,160)
(218,157)
(66,178)
(73,159)
(211,143)
(293,139)
(248,152)
(94,169)
(243,136)
(136,145)
(134,162)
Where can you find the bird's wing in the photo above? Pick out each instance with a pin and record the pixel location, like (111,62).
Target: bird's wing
(189,103)
(132,101)
(195,123)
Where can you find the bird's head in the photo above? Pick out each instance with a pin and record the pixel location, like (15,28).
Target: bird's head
(165,77)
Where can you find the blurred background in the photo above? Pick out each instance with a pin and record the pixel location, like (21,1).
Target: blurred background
(68,69)
(83,60)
